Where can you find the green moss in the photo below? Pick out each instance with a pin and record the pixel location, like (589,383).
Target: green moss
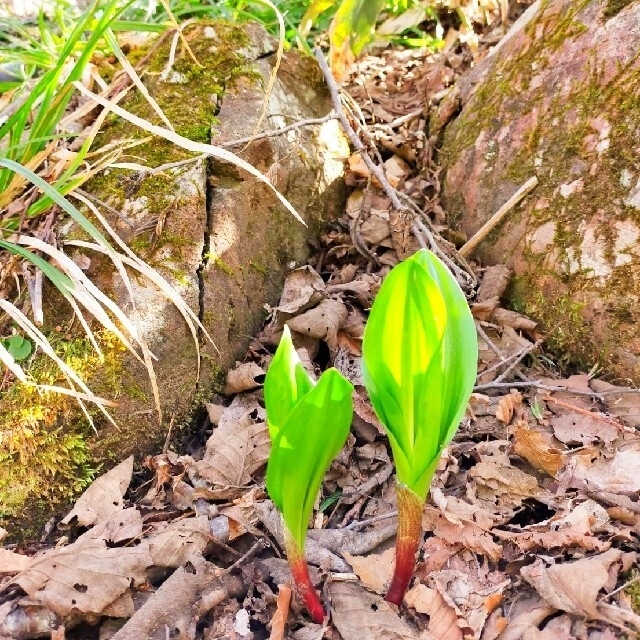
(614,7)
(44,453)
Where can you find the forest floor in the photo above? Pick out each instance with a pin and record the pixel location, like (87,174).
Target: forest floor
(532,526)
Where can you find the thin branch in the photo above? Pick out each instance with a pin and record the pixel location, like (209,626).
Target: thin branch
(278,132)
(497,217)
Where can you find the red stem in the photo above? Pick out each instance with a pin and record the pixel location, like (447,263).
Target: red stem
(407,542)
(304,586)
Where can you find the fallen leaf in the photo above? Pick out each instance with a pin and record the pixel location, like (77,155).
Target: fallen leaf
(282,612)
(507,406)
(303,288)
(321,322)
(374,230)
(618,474)
(623,405)
(495,480)
(537,449)
(572,586)
(11,562)
(238,447)
(468,534)
(244,377)
(443,618)
(104,496)
(374,570)
(85,576)
(583,428)
(357,613)
(175,543)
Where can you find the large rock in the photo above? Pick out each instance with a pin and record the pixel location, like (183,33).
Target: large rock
(226,240)
(560,100)
(215,232)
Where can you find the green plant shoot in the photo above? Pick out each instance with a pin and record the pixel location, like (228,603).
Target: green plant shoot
(419,364)
(308,424)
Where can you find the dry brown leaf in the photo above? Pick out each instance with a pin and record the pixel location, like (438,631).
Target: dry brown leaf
(175,543)
(526,617)
(357,166)
(85,576)
(572,586)
(583,428)
(494,282)
(374,570)
(494,479)
(357,613)
(58,634)
(244,377)
(282,612)
(467,534)
(11,562)
(396,170)
(374,230)
(443,618)
(103,497)
(303,288)
(537,449)
(321,322)
(507,406)
(122,525)
(623,405)
(238,447)
(575,535)
(618,474)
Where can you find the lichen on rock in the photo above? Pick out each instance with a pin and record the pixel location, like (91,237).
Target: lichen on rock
(560,100)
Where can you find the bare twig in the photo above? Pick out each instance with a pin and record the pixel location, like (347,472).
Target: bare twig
(468,248)
(365,523)
(418,228)
(277,132)
(518,359)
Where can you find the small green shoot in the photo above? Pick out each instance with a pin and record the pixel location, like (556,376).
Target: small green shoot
(18,347)
(419,364)
(308,424)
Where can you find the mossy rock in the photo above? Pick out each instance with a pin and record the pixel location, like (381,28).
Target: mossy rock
(213,231)
(560,100)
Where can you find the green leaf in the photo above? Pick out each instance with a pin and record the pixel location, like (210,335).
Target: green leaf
(20,348)
(308,425)
(353,24)
(419,362)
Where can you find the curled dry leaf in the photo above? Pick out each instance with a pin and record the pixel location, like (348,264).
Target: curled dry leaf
(536,447)
(618,474)
(11,562)
(443,618)
(572,586)
(244,377)
(494,480)
(468,534)
(321,322)
(103,497)
(282,612)
(374,230)
(303,289)
(507,406)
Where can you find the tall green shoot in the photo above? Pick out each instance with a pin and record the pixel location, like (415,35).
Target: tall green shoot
(419,363)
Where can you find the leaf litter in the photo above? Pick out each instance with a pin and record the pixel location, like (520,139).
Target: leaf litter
(532,525)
